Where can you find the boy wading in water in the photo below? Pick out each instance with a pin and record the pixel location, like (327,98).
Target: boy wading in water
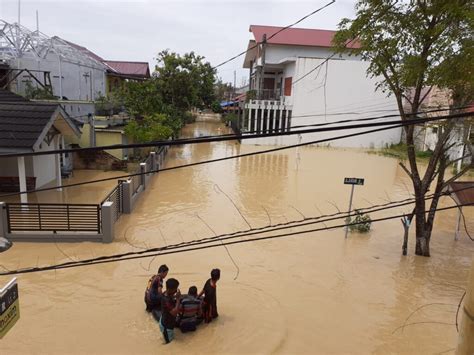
(209,307)
(154,289)
(169,309)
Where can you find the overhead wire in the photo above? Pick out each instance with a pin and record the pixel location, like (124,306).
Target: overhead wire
(392,126)
(276,33)
(266,133)
(194,247)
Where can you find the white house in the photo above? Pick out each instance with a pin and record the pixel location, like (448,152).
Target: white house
(27,126)
(296,79)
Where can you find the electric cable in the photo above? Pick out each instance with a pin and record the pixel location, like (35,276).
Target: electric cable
(101,260)
(273,35)
(227,137)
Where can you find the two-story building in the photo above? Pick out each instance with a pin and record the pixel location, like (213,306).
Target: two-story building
(296,79)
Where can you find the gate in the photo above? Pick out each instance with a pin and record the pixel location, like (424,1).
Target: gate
(53,217)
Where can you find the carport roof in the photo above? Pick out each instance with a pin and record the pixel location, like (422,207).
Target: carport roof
(462,191)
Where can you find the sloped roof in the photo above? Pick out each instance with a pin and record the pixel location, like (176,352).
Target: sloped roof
(85,51)
(463,192)
(133,69)
(23,123)
(297,36)
(8,96)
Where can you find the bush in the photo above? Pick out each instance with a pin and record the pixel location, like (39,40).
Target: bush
(230,118)
(363,222)
(216,107)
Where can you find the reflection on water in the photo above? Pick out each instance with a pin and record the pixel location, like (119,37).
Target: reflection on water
(311,293)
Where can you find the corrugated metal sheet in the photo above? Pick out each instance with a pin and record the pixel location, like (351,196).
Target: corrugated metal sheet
(135,69)
(463,191)
(297,36)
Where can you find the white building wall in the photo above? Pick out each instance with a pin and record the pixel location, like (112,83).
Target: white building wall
(344,88)
(274,54)
(44,166)
(79,82)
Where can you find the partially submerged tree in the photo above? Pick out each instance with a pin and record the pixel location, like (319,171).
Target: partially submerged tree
(414,45)
(179,84)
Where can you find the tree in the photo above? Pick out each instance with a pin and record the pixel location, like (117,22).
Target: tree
(150,128)
(185,81)
(413,46)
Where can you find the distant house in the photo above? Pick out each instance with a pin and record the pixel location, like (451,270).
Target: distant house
(27,126)
(68,71)
(295,78)
(118,72)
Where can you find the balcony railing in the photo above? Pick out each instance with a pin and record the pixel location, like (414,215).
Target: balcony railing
(267,94)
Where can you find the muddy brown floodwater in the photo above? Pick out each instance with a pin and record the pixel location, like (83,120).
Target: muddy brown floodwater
(314,293)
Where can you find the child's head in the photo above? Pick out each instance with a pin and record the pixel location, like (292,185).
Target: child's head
(172,286)
(215,274)
(163,270)
(193,291)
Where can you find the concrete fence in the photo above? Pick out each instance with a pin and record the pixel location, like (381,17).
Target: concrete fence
(30,226)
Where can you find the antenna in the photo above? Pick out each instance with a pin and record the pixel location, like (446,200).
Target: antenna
(19,11)
(37,22)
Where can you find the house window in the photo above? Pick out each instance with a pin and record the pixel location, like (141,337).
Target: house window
(435,130)
(288,83)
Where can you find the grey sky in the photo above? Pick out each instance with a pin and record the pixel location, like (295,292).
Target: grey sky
(138,30)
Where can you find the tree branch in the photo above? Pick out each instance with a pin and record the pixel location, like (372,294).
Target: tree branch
(406,170)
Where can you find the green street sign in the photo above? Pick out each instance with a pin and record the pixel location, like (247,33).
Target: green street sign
(9,307)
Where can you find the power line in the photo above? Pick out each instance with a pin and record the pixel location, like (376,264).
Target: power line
(273,35)
(201,162)
(404,123)
(228,137)
(160,252)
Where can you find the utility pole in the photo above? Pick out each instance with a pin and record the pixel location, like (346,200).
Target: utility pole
(262,69)
(235,73)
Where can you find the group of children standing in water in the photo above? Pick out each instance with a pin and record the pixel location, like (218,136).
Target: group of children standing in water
(172,309)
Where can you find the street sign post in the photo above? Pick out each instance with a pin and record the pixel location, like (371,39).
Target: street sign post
(352,181)
(9,307)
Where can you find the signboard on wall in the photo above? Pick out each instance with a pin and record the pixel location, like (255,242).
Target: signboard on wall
(9,307)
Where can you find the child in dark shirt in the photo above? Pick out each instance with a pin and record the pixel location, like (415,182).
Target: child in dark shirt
(169,309)
(209,307)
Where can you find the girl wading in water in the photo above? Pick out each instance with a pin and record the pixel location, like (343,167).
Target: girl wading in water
(209,307)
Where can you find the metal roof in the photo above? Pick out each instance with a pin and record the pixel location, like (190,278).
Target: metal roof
(132,69)
(462,191)
(297,36)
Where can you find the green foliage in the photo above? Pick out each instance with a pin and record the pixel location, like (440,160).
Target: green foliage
(251,95)
(222,90)
(108,105)
(413,45)
(185,81)
(37,93)
(363,222)
(179,84)
(150,128)
(230,118)
(399,151)
(143,98)
(216,107)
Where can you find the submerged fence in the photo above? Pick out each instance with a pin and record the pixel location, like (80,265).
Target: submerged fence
(77,222)
(53,217)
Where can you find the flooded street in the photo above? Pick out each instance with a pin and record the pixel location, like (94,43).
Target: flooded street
(306,294)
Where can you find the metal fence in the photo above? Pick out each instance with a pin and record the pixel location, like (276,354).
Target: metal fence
(53,217)
(116,196)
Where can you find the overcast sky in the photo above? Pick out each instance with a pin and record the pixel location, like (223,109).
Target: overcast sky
(138,30)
